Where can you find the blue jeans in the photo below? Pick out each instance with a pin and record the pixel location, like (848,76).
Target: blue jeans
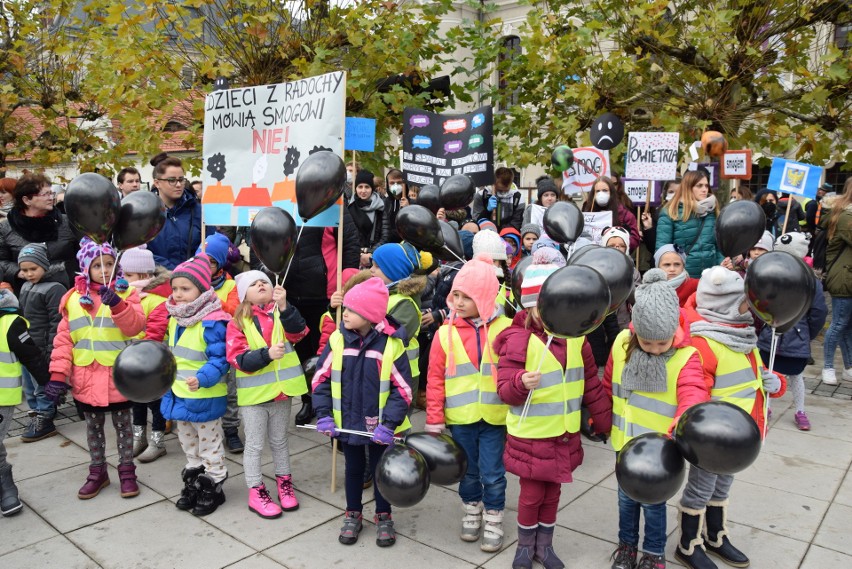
(34,394)
(485,479)
(655,524)
(839,332)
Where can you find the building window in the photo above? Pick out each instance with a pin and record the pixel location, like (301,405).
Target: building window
(510,49)
(842,36)
(187,77)
(173,126)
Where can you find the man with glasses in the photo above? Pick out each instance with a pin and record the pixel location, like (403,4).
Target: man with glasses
(181,235)
(129,181)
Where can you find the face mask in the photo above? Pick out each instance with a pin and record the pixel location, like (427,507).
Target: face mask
(769,208)
(670,196)
(602,198)
(395,189)
(349,177)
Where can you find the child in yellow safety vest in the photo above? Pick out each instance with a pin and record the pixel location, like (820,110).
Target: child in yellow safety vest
(490,243)
(197,399)
(268,375)
(653,375)
(97,322)
(17,351)
(461,393)
(544,448)
(363,383)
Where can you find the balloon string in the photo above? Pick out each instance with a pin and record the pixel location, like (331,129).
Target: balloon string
(540,365)
(772,349)
(290,262)
(453,253)
(367,434)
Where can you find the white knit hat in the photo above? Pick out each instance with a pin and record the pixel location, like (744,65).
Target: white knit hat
(248,278)
(615,232)
(765,242)
(138,260)
(491,244)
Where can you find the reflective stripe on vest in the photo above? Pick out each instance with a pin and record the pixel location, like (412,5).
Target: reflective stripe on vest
(413,347)
(637,412)
(735,378)
(471,394)
(223,291)
(190,356)
(97,339)
(280,376)
(10,367)
(149,303)
(393,349)
(555,405)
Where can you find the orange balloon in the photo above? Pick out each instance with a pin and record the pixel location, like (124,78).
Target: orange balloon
(714,144)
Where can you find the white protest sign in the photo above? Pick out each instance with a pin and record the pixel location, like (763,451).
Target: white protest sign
(736,164)
(651,156)
(595,224)
(255,138)
(589,164)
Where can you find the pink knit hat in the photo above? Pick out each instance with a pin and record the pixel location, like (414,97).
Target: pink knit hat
(477,280)
(197,270)
(369,300)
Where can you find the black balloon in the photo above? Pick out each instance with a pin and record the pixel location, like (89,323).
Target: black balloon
(319,183)
(649,468)
(614,266)
(447,461)
(92,204)
(456,192)
(429,197)
(420,227)
(779,287)
(144,371)
(273,238)
(518,277)
(452,241)
(607,131)
(140,219)
(402,476)
(580,250)
(740,225)
(718,437)
(573,301)
(806,306)
(563,222)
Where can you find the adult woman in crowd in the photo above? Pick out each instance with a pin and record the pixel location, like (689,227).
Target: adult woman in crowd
(7,195)
(836,219)
(689,222)
(367,211)
(33,219)
(548,193)
(605,197)
(741,192)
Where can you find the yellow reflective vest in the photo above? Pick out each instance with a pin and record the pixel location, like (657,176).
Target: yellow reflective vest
(735,380)
(555,404)
(97,339)
(471,393)
(280,376)
(149,303)
(393,349)
(638,412)
(413,348)
(190,356)
(10,367)
(223,291)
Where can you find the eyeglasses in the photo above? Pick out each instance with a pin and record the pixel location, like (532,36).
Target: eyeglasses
(47,194)
(173,181)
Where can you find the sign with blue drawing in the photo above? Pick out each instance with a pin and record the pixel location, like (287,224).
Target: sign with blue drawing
(360,134)
(437,146)
(794,177)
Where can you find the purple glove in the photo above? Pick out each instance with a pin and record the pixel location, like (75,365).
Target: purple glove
(108,296)
(55,390)
(326,426)
(383,436)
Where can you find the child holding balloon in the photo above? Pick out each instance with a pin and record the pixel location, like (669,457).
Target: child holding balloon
(653,375)
(544,448)
(461,392)
(363,383)
(97,322)
(197,400)
(268,374)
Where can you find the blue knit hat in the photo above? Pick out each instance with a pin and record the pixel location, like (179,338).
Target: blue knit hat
(217,247)
(397,260)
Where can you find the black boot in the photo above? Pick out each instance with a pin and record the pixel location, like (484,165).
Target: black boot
(717,541)
(690,550)
(210,496)
(189,493)
(306,413)
(232,441)
(10,504)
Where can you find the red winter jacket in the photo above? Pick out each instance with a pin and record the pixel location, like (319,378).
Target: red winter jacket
(157,322)
(686,290)
(555,458)
(262,315)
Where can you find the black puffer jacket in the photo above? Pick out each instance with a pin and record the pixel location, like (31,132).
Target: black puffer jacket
(54,230)
(39,304)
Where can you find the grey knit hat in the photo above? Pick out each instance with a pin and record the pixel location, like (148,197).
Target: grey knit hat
(795,243)
(35,253)
(719,296)
(656,314)
(533,228)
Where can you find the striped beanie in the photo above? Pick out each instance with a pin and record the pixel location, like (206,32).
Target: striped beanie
(543,266)
(196,270)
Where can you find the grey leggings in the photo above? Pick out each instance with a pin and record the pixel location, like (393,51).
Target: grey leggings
(267,421)
(703,487)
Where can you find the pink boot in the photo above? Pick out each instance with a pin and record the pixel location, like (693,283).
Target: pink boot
(261,504)
(127,476)
(286,495)
(97,480)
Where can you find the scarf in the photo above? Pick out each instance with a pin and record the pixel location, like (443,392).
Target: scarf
(646,372)
(369,206)
(706,205)
(218,279)
(742,339)
(194,312)
(678,280)
(42,229)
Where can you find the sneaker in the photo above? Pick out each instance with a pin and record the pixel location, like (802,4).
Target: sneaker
(492,531)
(472,521)
(829,377)
(233,442)
(652,562)
(286,494)
(847,374)
(41,427)
(385,534)
(802,422)
(352,524)
(624,557)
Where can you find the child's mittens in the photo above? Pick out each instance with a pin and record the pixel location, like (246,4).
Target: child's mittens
(383,435)
(55,390)
(326,426)
(771,382)
(109,296)
(437,428)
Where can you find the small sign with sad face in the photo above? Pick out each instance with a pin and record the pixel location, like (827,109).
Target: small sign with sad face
(607,131)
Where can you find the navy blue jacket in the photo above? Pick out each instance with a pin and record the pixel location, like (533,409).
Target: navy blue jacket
(796,342)
(181,235)
(360,382)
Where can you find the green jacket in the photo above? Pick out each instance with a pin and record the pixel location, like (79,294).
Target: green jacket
(838,252)
(702,253)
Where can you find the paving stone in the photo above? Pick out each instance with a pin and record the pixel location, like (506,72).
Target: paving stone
(776,510)
(576,550)
(22,530)
(798,474)
(844,493)
(54,552)
(47,455)
(818,558)
(765,549)
(257,561)
(833,533)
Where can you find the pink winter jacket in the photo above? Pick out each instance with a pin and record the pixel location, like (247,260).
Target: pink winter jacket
(93,383)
